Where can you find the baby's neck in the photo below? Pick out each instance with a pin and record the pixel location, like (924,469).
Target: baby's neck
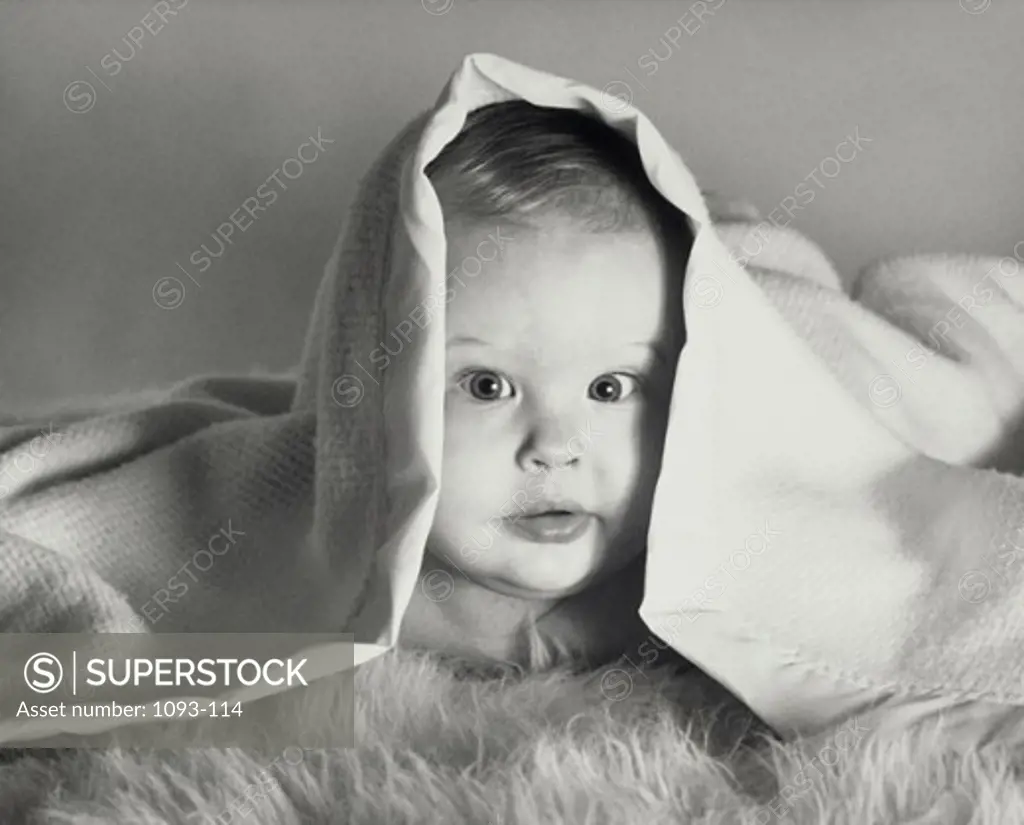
(450,613)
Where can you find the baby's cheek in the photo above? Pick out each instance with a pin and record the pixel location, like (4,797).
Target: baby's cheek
(470,468)
(636,453)
(462,439)
(616,458)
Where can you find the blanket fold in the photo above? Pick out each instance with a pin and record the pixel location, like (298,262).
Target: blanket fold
(841,471)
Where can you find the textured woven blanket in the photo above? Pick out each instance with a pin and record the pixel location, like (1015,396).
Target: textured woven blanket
(839,474)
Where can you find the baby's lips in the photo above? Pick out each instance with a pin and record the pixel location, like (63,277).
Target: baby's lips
(551,504)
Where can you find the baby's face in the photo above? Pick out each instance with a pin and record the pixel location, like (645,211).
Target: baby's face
(560,362)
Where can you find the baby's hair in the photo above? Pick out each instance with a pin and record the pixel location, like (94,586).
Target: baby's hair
(524,164)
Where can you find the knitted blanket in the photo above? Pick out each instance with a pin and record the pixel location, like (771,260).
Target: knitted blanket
(835,465)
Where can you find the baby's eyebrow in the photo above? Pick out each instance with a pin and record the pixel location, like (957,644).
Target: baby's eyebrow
(646,346)
(654,349)
(466,339)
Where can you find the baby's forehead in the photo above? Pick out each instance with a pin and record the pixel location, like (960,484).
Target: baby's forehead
(558,289)
(558,240)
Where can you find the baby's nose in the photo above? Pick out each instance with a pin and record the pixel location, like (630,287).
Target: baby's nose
(552,461)
(552,446)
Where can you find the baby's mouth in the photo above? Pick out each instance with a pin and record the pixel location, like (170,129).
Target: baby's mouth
(549,506)
(547,524)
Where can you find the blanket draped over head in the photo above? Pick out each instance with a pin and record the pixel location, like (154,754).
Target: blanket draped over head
(837,523)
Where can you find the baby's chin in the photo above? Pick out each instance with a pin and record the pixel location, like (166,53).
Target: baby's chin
(548,577)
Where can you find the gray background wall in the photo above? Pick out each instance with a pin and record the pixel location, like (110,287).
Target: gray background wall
(97,206)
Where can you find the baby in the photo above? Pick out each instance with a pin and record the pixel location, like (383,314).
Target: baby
(561,356)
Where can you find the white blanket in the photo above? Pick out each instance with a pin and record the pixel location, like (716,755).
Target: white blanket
(830,486)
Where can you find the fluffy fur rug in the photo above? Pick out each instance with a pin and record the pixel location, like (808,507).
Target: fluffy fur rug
(437,745)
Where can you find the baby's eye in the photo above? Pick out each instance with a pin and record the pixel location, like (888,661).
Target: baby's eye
(612,387)
(485,385)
